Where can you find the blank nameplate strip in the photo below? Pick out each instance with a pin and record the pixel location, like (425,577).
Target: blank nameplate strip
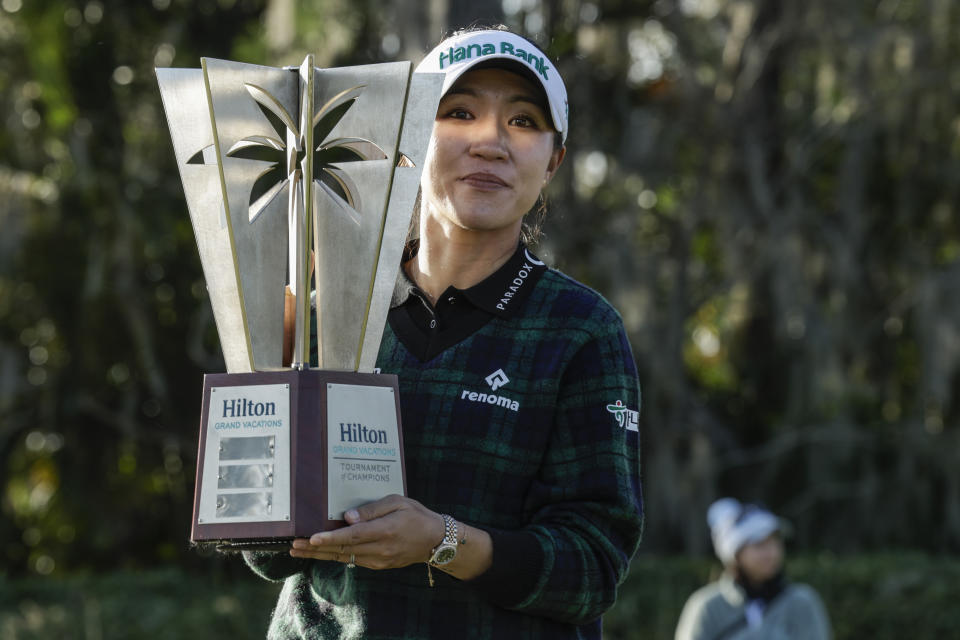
(245,476)
(258,448)
(232,505)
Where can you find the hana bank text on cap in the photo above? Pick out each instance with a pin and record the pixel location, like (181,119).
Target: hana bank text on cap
(455,56)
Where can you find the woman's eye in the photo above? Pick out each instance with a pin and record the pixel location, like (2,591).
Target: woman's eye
(461,114)
(523,121)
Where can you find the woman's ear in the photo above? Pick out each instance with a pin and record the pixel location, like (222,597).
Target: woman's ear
(556,159)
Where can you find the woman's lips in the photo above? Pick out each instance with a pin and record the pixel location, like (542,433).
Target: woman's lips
(483,180)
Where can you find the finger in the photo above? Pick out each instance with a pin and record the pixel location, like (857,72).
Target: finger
(372,555)
(348,536)
(374,549)
(332,556)
(304,545)
(376,509)
(313,554)
(333,547)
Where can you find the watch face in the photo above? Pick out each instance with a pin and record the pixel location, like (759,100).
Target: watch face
(444,555)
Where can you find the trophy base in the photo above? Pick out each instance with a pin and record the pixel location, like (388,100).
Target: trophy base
(283,454)
(235,546)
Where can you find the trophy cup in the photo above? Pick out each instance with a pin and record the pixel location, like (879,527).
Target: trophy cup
(304,176)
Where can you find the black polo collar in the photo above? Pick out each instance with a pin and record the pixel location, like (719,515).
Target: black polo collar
(504,291)
(501,293)
(427,330)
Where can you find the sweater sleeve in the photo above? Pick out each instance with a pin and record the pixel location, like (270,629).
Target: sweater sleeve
(585,507)
(273,565)
(327,580)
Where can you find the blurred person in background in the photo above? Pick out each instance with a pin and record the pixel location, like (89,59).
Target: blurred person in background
(752,600)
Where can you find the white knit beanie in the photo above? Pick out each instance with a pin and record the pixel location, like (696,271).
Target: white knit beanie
(733,525)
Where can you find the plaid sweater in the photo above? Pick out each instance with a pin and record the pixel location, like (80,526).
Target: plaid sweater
(526,428)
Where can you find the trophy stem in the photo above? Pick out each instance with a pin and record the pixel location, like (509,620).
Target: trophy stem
(299,224)
(303,205)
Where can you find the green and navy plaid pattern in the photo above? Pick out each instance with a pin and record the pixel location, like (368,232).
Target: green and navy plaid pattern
(549,466)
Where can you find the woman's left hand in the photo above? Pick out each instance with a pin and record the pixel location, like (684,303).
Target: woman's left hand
(390,533)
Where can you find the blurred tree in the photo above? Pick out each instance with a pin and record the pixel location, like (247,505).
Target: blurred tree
(104,325)
(782,173)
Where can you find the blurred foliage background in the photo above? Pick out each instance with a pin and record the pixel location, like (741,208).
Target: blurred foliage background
(765,190)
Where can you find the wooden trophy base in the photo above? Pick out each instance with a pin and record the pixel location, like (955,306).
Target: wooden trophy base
(283,454)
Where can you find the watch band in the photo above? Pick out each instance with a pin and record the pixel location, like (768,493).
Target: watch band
(449,530)
(446,551)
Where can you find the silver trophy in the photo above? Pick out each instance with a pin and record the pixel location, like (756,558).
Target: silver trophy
(303,178)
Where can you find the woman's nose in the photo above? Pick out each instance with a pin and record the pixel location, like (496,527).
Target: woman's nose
(488,141)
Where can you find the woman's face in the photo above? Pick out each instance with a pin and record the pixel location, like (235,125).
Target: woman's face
(760,561)
(491,152)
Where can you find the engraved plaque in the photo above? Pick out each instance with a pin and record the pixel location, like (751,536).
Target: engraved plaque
(363,444)
(247,437)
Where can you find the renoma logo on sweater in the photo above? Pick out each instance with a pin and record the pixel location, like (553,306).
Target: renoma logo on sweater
(496,380)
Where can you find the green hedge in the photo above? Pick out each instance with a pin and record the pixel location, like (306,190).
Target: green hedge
(881,597)
(154,605)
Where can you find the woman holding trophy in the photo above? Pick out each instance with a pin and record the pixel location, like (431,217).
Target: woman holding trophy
(519,399)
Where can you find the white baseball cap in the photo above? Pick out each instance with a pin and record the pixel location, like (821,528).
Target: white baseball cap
(733,525)
(455,56)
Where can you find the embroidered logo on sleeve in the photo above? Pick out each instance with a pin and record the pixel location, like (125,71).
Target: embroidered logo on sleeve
(626,418)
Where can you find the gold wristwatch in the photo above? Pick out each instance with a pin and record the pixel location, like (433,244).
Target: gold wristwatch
(446,551)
